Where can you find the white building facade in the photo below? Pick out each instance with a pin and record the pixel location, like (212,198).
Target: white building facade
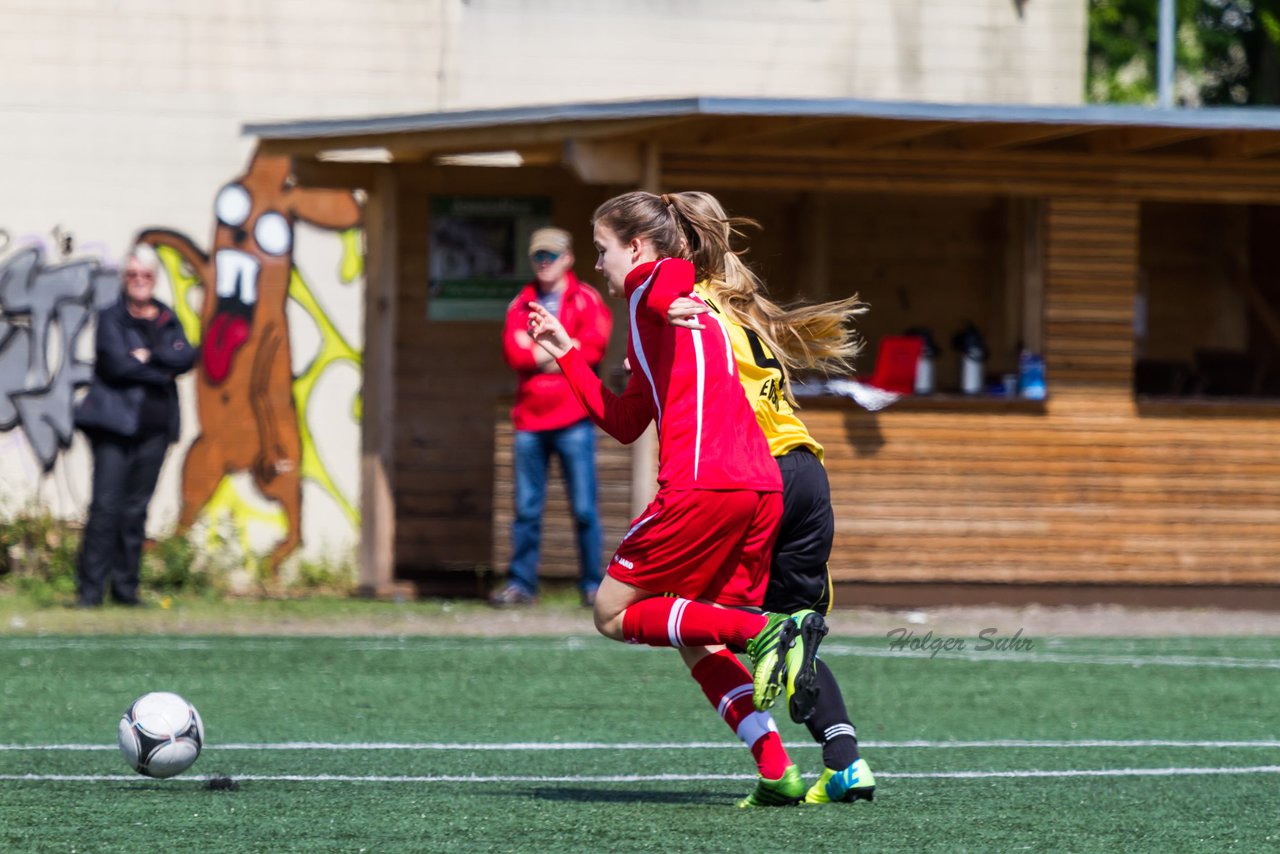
(123,117)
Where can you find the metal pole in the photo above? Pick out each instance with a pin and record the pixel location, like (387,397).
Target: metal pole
(1164,51)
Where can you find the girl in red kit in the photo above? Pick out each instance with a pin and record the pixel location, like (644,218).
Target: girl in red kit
(708,534)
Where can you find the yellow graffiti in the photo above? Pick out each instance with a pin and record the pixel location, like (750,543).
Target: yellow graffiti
(352,255)
(227,499)
(184,281)
(333,348)
(229,502)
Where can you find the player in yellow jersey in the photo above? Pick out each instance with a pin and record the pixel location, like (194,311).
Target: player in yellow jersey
(799,570)
(769,343)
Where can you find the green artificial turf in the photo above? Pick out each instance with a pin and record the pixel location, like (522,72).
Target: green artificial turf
(433,705)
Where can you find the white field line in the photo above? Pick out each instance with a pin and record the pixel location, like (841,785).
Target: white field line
(658,778)
(553,746)
(416,645)
(832,649)
(835,650)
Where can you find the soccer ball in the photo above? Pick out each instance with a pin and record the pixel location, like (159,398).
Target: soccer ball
(161,734)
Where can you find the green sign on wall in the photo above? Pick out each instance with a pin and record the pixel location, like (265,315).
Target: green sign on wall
(477,256)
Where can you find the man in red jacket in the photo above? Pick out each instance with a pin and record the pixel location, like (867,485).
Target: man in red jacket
(549,419)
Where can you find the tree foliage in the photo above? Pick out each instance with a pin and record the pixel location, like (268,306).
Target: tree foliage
(1227,52)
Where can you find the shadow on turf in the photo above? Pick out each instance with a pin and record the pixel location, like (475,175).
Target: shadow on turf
(213,784)
(643,796)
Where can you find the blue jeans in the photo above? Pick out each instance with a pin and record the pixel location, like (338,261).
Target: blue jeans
(576,447)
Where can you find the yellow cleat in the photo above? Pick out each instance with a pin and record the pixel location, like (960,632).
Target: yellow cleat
(801,676)
(855,783)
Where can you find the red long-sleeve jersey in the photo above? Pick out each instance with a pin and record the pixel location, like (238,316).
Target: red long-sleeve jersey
(686,379)
(544,401)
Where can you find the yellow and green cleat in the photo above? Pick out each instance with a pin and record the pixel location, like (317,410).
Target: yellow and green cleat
(768,654)
(802,677)
(782,657)
(855,783)
(783,792)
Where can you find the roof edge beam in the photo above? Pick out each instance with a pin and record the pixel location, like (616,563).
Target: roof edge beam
(1240,144)
(1004,137)
(605,162)
(466,140)
(342,176)
(883,134)
(1133,140)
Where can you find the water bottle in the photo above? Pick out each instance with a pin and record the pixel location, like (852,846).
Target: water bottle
(1031,375)
(924,382)
(973,355)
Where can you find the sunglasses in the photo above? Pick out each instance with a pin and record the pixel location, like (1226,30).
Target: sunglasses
(542,256)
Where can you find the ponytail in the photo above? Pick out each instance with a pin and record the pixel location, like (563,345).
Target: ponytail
(694,226)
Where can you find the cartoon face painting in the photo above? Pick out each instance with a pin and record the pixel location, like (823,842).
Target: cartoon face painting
(244,390)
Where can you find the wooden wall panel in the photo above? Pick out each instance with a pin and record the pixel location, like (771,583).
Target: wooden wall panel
(1087,488)
(1090,490)
(450,375)
(924,170)
(1064,497)
(1091,274)
(932,262)
(1196,263)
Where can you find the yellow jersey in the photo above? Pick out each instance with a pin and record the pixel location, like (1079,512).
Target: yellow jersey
(761,375)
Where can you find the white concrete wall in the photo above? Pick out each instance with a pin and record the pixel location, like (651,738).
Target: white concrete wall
(129,112)
(976,51)
(119,115)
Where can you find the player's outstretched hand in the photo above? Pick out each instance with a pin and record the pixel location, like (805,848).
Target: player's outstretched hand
(546,329)
(684,312)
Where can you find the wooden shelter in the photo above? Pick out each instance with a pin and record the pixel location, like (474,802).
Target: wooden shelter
(1133,248)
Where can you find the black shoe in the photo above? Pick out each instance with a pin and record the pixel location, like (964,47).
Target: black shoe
(802,677)
(589,598)
(512,596)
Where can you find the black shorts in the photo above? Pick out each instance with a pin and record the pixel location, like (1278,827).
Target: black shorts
(798,577)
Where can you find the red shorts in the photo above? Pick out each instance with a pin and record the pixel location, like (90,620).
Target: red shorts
(701,544)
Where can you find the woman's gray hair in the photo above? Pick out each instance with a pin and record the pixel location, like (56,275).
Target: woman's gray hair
(144,255)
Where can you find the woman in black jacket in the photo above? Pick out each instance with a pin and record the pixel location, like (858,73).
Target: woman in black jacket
(131,417)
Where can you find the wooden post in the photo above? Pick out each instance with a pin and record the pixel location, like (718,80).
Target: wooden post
(1090,281)
(1033,275)
(1024,277)
(377,429)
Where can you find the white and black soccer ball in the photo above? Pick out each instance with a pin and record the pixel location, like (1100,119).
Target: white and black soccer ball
(161,734)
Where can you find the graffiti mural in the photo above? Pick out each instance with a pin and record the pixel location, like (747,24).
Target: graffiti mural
(45,309)
(251,407)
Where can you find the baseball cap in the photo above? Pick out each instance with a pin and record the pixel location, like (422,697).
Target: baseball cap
(555,240)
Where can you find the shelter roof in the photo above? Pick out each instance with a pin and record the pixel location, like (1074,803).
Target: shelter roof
(775,125)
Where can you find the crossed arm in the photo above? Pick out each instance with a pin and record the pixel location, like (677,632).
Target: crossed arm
(117,363)
(625,416)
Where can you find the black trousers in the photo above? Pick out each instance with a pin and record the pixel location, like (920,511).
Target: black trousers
(125,470)
(798,576)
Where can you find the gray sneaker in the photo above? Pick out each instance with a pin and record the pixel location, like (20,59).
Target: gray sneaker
(512,596)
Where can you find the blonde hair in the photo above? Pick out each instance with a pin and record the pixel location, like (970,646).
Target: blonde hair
(695,226)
